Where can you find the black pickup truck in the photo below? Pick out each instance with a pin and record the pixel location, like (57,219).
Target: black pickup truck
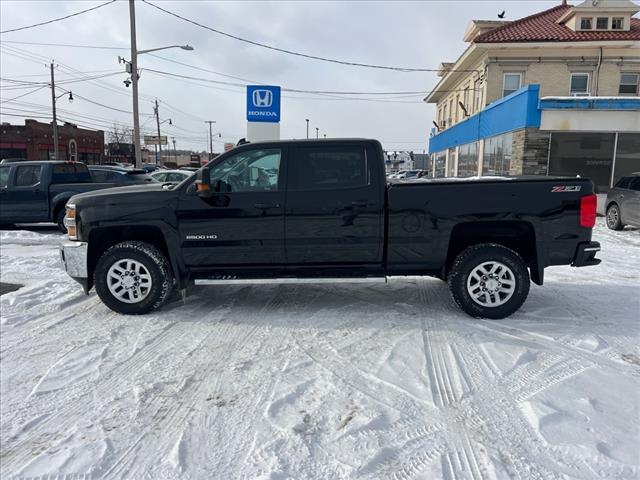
(323,210)
(37,191)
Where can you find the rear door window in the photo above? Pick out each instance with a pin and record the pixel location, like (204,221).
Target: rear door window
(329,168)
(623,182)
(635,184)
(101,176)
(4,176)
(69,173)
(28,175)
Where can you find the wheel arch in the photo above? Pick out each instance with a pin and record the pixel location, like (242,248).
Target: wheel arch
(519,236)
(100,239)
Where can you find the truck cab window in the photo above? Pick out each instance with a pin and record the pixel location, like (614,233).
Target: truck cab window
(325,168)
(28,176)
(4,176)
(248,171)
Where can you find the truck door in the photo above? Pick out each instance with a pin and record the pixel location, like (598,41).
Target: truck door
(26,199)
(242,223)
(335,201)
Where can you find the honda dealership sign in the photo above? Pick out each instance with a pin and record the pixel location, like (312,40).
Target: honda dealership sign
(263,103)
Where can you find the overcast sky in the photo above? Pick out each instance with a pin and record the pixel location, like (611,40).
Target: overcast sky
(405,34)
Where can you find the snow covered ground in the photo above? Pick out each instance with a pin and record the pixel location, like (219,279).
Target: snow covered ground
(320,382)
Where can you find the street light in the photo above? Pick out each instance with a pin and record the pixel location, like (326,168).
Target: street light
(317,132)
(307,120)
(134,77)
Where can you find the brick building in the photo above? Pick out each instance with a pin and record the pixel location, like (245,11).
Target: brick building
(34,141)
(557,92)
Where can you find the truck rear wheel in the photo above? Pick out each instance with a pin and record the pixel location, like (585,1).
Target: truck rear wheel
(489,281)
(133,278)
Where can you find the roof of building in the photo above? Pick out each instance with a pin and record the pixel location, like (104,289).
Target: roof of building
(543,27)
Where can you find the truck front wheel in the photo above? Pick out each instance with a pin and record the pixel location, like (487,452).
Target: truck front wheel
(133,278)
(489,281)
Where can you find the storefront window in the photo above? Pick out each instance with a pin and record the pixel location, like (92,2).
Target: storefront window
(586,154)
(451,166)
(497,155)
(627,155)
(468,160)
(439,161)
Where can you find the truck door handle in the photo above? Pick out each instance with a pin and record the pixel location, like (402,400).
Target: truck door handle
(266,206)
(359,203)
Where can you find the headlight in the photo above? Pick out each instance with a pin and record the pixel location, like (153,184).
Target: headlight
(70,221)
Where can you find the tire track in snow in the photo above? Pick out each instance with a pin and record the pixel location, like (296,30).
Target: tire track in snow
(16,449)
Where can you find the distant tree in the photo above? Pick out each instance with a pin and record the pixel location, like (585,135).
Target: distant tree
(120,134)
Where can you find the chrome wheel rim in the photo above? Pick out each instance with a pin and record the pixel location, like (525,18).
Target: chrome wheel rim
(491,284)
(612,217)
(129,281)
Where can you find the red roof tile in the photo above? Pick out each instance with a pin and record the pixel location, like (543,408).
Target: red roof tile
(542,27)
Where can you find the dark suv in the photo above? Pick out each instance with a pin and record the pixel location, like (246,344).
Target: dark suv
(623,203)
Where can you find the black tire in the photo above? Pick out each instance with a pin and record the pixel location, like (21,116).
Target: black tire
(153,261)
(475,256)
(60,219)
(613,217)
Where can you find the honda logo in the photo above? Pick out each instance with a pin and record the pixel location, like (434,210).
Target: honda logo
(263,98)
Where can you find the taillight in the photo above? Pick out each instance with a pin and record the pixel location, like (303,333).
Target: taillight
(588,210)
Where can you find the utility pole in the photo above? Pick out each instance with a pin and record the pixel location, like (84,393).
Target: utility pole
(317,132)
(210,122)
(155,110)
(55,120)
(307,120)
(134,84)
(175,153)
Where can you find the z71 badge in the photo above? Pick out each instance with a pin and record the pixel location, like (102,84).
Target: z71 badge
(566,188)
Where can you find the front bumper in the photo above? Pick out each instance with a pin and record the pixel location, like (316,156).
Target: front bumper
(586,255)
(74,260)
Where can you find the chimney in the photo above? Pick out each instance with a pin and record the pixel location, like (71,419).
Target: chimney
(564,3)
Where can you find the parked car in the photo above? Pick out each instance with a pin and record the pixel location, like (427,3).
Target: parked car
(411,174)
(118,175)
(188,168)
(331,217)
(33,191)
(623,203)
(150,167)
(175,176)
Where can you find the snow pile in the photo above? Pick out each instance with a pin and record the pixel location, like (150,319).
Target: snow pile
(321,381)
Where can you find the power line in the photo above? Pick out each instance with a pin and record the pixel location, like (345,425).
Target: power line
(291,52)
(58,19)
(23,95)
(41,44)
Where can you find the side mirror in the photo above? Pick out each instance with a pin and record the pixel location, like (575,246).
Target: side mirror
(203,183)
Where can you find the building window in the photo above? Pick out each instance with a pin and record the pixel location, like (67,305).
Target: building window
(477,92)
(629,83)
(451,166)
(497,155)
(586,23)
(579,84)
(444,116)
(627,155)
(465,99)
(439,162)
(450,119)
(602,23)
(617,23)
(468,160)
(512,82)
(588,154)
